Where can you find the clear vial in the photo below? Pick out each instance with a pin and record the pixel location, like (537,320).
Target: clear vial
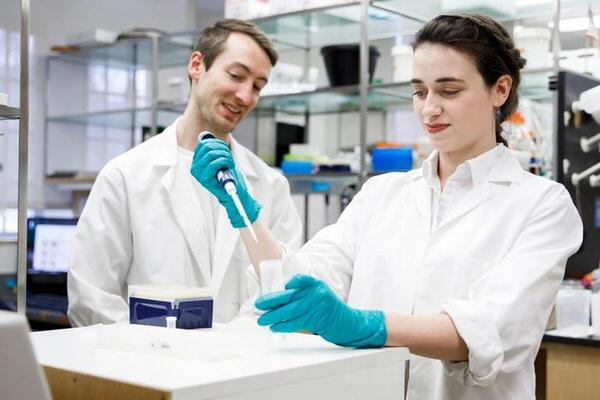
(172,322)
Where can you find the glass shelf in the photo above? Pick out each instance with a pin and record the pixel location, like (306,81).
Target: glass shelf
(122,118)
(7,112)
(524,9)
(338,24)
(174,50)
(336,99)
(328,183)
(381,97)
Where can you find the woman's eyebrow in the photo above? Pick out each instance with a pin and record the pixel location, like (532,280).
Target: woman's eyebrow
(441,80)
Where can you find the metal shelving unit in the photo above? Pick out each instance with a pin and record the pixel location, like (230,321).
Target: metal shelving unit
(136,49)
(23,115)
(7,112)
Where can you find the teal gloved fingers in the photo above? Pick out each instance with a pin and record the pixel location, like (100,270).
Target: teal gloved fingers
(309,304)
(274,300)
(210,156)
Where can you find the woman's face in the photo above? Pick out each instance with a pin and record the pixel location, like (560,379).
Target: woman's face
(452,101)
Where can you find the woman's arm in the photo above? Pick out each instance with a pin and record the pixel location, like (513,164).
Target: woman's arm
(264,248)
(432,336)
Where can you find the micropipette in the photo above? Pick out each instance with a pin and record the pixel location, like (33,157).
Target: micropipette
(225,178)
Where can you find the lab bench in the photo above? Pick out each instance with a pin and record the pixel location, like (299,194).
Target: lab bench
(568,368)
(236,361)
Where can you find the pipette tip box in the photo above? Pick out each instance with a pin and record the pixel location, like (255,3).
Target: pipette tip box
(193,307)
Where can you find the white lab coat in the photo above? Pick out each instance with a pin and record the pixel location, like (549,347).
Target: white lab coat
(142,224)
(494,265)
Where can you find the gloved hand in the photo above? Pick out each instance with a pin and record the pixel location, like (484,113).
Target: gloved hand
(210,156)
(309,304)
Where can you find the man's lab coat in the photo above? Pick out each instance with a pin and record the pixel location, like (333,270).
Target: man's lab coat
(494,265)
(142,224)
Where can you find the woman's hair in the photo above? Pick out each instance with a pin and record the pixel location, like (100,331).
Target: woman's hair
(488,44)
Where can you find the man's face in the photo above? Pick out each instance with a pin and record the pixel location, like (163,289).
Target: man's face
(230,88)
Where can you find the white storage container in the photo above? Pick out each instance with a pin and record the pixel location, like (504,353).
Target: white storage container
(534,44)
(573,309)
(493,8)
(584,61)
(403,59)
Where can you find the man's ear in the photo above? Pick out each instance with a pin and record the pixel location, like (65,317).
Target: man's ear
(195,65)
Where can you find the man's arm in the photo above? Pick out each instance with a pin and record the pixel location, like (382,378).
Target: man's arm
(101,254)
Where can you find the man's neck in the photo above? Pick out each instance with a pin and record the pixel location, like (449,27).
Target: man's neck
(188,128)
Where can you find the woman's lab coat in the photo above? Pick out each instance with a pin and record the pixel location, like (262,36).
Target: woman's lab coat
(142,224)
(494,265)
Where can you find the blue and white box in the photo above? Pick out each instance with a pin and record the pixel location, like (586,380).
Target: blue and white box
(152,304)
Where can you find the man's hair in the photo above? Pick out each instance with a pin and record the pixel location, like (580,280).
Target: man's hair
(211,41)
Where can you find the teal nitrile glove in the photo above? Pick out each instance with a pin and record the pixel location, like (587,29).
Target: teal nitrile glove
(309,304)
(212,155)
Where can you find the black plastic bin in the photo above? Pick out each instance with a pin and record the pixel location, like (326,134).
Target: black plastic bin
(342,63)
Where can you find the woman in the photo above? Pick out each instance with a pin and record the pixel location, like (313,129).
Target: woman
(460,260)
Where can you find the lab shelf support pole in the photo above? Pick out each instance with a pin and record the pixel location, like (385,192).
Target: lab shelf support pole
(555,95)
(364,87)
(23,150)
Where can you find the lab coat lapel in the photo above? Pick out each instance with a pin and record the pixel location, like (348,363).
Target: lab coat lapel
(182,198)
(227,238)
(421,195)
(188,214)
(472,200)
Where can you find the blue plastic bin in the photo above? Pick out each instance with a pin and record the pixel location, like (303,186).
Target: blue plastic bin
(291,167)
(392,159)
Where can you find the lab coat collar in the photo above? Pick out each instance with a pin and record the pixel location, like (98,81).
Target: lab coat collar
(476,169)
(505,169)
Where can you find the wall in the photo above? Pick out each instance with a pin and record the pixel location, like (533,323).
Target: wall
(50,23)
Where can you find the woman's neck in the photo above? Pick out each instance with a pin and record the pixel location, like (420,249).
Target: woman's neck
(448,161)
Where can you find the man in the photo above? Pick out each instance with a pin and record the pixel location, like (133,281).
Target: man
(147,219)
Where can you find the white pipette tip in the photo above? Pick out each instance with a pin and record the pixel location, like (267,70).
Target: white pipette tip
(230,189)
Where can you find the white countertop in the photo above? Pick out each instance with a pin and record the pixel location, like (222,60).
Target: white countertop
(240,354)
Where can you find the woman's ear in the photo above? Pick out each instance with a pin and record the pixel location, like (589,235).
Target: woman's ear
(195,65)
(501,90)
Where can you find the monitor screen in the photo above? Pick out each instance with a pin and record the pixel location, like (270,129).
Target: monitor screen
(49,241)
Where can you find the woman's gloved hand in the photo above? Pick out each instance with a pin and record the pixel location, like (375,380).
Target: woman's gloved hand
(309,304)
(212,155)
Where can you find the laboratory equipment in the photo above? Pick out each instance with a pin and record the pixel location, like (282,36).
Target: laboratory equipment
(271,277)
(22,376)
(589,144)
(171,322)
(226,179)
(190,308)
(573,309)
(271,280)
(589,101)
(576,124)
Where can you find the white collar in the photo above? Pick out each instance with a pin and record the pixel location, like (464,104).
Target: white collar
(476,169)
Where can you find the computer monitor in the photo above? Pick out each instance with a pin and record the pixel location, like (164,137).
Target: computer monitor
(48,244)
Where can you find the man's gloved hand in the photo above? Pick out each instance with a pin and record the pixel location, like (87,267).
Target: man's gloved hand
(309,304)
(212,155)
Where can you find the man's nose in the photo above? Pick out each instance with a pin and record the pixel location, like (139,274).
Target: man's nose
(245,94)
